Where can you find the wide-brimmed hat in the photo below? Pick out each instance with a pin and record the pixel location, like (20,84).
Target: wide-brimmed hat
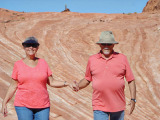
(30,40)
(107,37)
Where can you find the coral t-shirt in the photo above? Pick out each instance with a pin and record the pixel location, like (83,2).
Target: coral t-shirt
(108,83)
(32,84)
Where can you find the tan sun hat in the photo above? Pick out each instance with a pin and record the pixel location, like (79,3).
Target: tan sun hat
(107,37)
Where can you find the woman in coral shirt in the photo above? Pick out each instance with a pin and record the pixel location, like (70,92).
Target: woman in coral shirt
(30,77)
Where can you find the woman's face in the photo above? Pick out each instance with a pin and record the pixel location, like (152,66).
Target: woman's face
(30,49)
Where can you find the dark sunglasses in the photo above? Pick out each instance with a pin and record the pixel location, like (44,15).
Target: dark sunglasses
(31,45)
(108,44)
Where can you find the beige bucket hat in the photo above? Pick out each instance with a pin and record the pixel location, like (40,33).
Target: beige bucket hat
(107,37)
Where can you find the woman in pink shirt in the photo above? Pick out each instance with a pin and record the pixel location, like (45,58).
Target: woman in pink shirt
(30,77)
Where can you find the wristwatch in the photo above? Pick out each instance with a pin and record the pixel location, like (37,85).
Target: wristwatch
(134,100)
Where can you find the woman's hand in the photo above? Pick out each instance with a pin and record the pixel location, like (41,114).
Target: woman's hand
(4,110)
(11,90)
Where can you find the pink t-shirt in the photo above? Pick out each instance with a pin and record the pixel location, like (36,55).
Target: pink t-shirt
(108,83)
(32,90)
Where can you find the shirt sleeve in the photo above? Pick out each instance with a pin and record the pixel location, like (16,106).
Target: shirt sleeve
(15,72)
(88,75)
(129,74)
(49,72)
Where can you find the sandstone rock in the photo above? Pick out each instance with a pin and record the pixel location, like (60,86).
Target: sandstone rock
(66,42)
(152,6)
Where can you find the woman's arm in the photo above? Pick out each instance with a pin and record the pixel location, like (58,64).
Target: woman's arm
(11,90)
(55,83)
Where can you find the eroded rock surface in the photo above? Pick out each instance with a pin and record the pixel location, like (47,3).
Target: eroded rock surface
(66,42)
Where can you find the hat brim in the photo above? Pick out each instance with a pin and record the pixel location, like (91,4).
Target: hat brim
(99,42)
(30,42)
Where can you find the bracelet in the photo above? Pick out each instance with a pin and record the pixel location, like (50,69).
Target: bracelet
(133,100)
(65,83)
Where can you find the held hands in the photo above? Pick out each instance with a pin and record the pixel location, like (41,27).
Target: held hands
(75,86)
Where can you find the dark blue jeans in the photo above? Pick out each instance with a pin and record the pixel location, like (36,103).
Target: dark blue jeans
(100,115)
(24,113)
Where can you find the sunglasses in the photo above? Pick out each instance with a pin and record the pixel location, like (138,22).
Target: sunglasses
(31,45)
(108,44)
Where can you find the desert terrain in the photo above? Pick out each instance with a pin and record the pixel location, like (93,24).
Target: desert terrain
(67,39)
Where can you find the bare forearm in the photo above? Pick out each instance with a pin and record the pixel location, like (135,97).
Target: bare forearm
(11,90)
(132,88)
(83,83)
(58,84)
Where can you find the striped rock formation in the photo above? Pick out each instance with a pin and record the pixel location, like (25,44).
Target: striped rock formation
(66,42)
